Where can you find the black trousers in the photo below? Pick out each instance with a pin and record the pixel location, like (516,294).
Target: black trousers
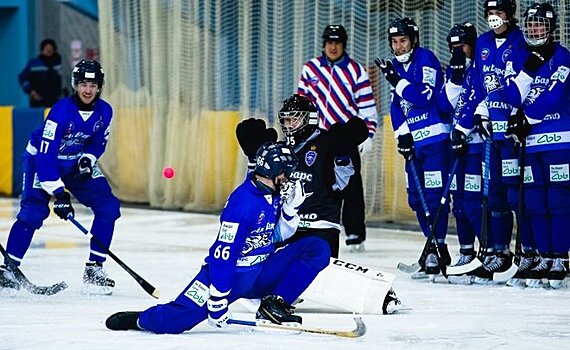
(353,201)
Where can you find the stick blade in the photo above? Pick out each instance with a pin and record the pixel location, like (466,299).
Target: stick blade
(415,267)
(460,270)
(503,277)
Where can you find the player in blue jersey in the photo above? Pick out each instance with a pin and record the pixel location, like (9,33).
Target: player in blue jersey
(340,88)
(243,261)
(466,142)
(62,154)
(540,90)
(492,50)
(422,133)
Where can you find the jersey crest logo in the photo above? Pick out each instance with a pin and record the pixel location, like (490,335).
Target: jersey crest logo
(506,54)
(310,158)
(98,125)
(484,54)
(314,81)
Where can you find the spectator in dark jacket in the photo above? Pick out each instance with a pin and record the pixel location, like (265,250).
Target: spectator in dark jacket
(41,78)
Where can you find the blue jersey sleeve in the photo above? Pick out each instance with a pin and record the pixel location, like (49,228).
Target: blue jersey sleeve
(425,83)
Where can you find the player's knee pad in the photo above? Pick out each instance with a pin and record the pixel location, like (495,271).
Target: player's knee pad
(33,216)
(108,209)
(559,200)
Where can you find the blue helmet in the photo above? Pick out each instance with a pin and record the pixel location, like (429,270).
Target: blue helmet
(273,159)
(87,71)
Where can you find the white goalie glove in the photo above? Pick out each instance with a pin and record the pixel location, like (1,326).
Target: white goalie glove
(293,196)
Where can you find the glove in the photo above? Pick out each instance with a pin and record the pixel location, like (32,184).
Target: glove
(457,66)
(365,146)
(538,56)
(458,142)
(294,196)
(484,126)
(85,168)
(62,205)
(252,133)
(406,146)
(518,127)
(218,312)
(388,70)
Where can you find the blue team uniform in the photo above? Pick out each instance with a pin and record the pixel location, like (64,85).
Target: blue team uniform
(466,188)
(414,110)
(544,99)
(244,261)
(50,163)
(489,73)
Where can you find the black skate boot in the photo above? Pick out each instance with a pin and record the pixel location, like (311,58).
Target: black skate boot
(500,262)
(95,280)
(9,284)
(355,243)
(528,262)
(274,309)
(123,321)
(539,272)
(392,304)
(558,272)
(465,256)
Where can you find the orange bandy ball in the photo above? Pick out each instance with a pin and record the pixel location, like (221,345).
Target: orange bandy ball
(168,173)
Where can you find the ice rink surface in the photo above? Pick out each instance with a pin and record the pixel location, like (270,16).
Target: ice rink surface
(167,248)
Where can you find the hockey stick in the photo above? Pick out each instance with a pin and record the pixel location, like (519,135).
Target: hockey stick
(141,281)
(415,267)
(359,331)
(25,282)
(476,263)
(507,275)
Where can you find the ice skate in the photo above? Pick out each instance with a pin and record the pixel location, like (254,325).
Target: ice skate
(96,281)
(123,321)
(275,310)
(497,263)
(558,273)
(9,284)
(527,263)
(538,273)
(393,305)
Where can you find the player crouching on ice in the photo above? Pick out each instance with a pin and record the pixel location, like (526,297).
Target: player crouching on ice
(243,261)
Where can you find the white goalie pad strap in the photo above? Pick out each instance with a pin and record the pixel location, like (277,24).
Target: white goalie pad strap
(361,291)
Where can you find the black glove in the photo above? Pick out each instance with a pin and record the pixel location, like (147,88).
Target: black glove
(406,146)
(458,143)
(518,127)
(252,133)
(62,205)
(538,56)
(457,65)
(484,126)
(85,169)
(388,70)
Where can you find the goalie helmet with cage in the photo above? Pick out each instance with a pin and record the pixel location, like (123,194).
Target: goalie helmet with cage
(462,33)
(404,27)
(273,159)
(88,71)
(298,118)
(539,24)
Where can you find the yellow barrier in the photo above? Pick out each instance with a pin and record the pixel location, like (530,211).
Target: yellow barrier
(6,150)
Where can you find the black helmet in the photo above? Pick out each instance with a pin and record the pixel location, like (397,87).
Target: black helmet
(509,6)
(335,33)
(404,27)
(88,71)
(303,118)
(462,33)
(539,15)
(273,159)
